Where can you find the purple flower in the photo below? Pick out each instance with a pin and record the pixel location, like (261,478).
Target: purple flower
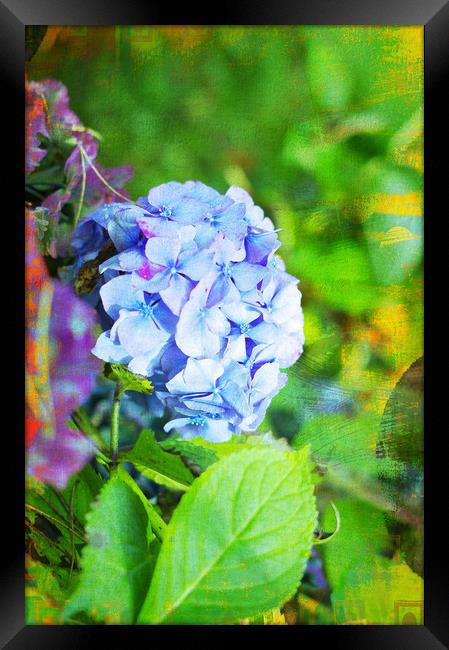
(36,123)
(49,114)
(61,371)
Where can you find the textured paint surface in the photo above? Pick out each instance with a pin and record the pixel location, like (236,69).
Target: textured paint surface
(324,126)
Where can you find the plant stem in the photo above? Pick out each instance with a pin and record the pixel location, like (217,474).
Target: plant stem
(158,525)
(115,419)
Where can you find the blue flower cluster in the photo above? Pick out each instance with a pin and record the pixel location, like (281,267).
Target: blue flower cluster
(199,302)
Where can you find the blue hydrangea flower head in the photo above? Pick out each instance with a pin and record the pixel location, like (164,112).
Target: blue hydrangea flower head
(198,301)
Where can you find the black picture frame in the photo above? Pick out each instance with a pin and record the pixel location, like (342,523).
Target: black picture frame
(434,16)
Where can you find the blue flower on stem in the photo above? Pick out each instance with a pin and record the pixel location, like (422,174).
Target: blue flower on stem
(200,304)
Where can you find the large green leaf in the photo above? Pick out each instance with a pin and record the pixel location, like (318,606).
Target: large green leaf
(116,562)
(158,465)
(238,542)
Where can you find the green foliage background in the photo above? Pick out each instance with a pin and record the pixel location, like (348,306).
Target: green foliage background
(323,125)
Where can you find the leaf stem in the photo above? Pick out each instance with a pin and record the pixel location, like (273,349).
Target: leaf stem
(115,420)
(100,176)
(83,189)
(325,540)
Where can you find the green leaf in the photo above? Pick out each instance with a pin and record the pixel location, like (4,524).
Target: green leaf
(126,379)
(350,558)
(45,547)
(395,595)
(83,488)
(154,520)
(237,543)
(204,453)
(199,455)
(116,563)
(158,465)
(46,591)
(51,530)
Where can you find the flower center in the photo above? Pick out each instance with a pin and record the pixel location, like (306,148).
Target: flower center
(244,328)
(147,310)
(165,211)
(226,270)
(198,420)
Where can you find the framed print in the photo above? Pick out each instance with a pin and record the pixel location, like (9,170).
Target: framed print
(224,324)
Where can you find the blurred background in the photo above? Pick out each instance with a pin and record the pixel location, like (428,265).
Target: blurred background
(324,127)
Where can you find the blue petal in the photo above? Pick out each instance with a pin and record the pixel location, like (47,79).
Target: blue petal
(205,234)
(226,251)
(178,424)
(219,290)
(265,381)
(216,431)
(189,211)
(233,394)
(139,335)
(217,321)
(195,266)
(158,282)
(246,276)
(220,204)
(173,360)
(177,293)
(146,364)
(128,260)
(200,191)
(199,376)
(103,214)
(212,430)
(123,229)
(260,245)
(109,351)
(118,294)
(240,312)
(236,348)
(231,222)
(194,337)
(286,304)
(163,250)
(166,194)
(264,333)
